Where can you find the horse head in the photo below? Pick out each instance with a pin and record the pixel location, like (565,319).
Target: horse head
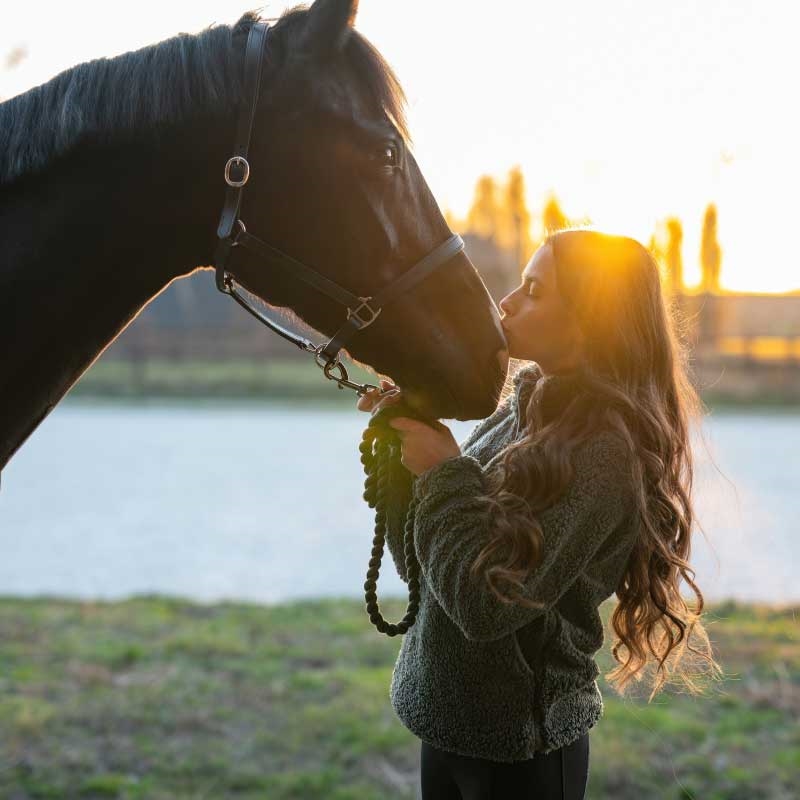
(335,185)
(111,188)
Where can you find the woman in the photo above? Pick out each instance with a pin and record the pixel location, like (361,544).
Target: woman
(576,487)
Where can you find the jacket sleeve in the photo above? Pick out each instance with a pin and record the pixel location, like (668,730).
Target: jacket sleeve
(401,483)
(452,525)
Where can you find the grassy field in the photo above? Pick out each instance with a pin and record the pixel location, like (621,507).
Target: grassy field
(280,379)
(164,699)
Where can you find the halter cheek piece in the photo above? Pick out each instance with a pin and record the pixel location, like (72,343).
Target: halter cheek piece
(361,311)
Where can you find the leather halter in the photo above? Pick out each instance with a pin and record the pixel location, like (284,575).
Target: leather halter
(361,311)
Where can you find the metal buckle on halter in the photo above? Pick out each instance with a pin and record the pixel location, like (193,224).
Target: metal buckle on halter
(238,161)
(364,304)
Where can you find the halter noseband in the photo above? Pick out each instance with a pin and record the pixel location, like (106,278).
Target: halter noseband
(361,311)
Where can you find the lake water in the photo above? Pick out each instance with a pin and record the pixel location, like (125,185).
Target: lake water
(264,503)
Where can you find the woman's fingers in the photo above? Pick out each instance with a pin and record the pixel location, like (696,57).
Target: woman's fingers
(389,398)
(367,400)
(373,399)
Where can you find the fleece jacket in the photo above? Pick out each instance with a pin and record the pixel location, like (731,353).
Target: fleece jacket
(481,678)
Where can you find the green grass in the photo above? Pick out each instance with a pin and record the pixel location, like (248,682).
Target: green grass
(298,380)
(159,698)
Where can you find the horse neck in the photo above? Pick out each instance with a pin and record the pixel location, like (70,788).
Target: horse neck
(87,244)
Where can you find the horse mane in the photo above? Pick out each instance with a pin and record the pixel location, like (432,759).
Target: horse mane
(156,86)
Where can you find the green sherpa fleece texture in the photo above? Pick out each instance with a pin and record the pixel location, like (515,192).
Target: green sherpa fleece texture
(481,678)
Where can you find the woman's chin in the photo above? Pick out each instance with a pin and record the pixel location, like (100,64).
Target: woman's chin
(514,353)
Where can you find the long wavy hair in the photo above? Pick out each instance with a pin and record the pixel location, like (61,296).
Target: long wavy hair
(633,381)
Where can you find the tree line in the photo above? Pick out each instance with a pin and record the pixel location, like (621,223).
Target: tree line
(499,213)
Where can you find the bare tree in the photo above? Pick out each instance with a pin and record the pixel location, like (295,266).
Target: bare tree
(484,217)
(518,216)
(673,260)
(710,252)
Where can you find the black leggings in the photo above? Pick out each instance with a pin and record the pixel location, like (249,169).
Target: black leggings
(559,775)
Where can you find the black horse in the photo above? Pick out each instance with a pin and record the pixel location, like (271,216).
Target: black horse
(111,185)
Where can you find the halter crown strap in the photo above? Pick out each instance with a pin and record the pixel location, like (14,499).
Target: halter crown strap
(253,60)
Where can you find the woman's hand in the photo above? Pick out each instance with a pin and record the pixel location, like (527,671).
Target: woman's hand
(422,446)
(373,399)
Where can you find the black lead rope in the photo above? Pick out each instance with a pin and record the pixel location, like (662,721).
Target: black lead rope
(389,481)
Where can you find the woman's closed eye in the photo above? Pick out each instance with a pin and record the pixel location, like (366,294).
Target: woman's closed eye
(532,288)
(533,292)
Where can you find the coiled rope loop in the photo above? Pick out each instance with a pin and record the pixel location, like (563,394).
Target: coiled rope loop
(389,482)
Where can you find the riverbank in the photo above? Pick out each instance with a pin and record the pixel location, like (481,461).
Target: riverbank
(288,379)
(241,379)
(162,699)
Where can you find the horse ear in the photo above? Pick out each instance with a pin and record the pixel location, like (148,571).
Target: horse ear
(329,24)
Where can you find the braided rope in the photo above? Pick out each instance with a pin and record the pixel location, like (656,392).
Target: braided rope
(380,455)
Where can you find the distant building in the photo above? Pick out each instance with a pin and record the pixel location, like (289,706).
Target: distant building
(745,346)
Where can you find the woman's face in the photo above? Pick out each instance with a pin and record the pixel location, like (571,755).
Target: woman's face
(537,324)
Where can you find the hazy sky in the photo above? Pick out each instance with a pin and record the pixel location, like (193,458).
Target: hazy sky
(630,110)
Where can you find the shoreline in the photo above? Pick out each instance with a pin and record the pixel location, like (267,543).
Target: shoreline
(287,380)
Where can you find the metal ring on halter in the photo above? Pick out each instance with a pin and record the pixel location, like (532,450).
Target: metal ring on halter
(242,229)
(328,362)
(242,162)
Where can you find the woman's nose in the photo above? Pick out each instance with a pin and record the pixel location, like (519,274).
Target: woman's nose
(505,305)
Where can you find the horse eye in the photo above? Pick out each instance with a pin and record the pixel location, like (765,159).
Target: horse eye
(386,156)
